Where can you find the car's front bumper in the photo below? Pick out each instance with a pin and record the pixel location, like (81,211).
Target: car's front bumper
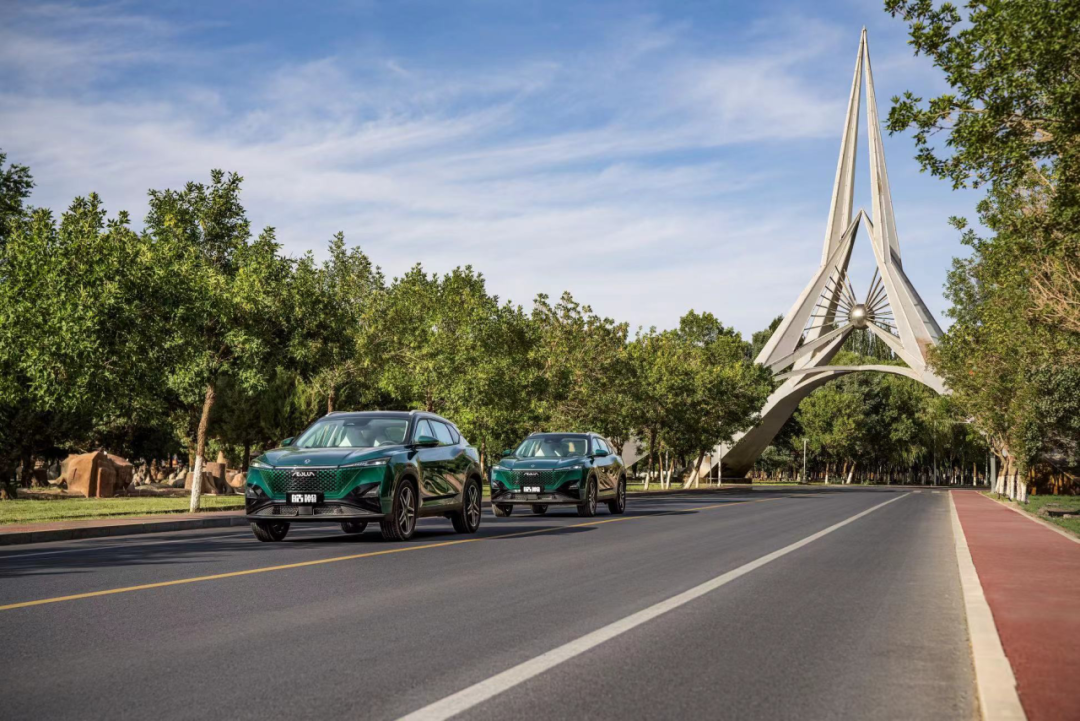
(548,498)
(330,511)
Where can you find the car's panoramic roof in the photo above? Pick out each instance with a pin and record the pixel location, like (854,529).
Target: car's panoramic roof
(582,435)
(383,414)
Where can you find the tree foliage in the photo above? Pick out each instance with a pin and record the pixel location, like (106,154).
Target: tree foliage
(1011,125)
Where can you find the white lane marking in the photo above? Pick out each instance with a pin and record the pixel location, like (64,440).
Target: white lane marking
(994,679)
(478,693)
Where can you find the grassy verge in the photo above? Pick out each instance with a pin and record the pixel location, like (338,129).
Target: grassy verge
(81,509)
(1036,502)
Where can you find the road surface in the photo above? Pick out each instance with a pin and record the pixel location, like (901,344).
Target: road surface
(800,603)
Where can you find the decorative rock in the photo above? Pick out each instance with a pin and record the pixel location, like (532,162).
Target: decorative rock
(217,472)
(96,475)
(236,480)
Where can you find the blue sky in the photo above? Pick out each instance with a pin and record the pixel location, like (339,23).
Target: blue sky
(649,157)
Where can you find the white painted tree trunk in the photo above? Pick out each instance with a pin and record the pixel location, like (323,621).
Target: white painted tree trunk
(850,474)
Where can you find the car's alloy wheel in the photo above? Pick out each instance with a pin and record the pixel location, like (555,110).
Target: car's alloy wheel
(401,523)
(587,508)
(353,526)
(270,530)
(467,520)
(539,508)
(618,505)
(501,510)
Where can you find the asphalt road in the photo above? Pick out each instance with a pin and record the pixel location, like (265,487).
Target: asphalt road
(863,621)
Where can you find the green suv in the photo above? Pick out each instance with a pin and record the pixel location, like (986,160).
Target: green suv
(551,469)
(354,468)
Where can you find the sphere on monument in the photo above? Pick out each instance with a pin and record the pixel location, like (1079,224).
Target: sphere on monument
(859,316)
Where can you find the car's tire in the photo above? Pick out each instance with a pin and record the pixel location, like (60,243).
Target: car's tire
(617,506)
(501,510)
(353,526)
(268,531)
(401,523)
(587,508)
(467,520)
(539,508)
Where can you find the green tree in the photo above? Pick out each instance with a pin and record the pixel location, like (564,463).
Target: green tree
(1011,125)
(228,314)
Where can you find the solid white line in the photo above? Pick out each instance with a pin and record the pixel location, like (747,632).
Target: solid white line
(482,691)
(994,679)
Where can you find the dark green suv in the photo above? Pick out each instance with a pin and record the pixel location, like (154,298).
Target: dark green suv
(568,469)
(354,468)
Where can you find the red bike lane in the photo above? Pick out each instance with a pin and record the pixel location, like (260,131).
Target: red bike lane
(1031,578)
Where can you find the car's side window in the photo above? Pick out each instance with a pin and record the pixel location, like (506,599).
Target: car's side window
(423,428)
(454,433)
(599,445)
(443,433)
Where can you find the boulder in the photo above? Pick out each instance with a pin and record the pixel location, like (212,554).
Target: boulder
(236,480)
(207,482)
(124,471)
(96,475)
(217,472)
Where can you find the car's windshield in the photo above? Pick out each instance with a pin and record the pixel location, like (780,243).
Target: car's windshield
(553,447)
(354,433)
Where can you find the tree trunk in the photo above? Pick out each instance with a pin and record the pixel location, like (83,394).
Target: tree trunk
(851,472)
(247,456)
(330,400)
(695,475)
(26,469)
(200,448)
(826,473)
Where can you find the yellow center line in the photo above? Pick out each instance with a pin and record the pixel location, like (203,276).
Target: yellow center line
(370,554)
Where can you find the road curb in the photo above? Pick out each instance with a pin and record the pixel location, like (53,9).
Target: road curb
(125,529)
(994,678)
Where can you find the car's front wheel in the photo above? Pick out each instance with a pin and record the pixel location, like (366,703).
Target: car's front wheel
(467,520)
(618,504)
(401,523)
(267,531)
(501,510)
(539,508)
(353,526)
(587,507)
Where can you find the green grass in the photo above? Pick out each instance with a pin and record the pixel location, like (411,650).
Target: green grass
(1036,502)
(80,509)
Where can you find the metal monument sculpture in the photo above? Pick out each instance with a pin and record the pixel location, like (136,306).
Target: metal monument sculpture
(828,309)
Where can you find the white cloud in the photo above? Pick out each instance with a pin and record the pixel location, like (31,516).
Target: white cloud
(603,173)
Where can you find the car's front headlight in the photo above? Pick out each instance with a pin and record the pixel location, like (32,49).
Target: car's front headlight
(260,466)
(369,463)
(576,467)
(501,469)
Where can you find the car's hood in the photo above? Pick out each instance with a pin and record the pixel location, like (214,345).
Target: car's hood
(322,456)
(543,464)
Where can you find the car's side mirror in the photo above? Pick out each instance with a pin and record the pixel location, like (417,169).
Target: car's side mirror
(599,453)
(507,452)
(288,441)
(425,442)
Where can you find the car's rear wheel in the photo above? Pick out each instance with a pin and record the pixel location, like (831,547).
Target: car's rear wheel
(539,508)
(401,523)
(618,505)
(267,531)
(467,520)
(353,526)
(501,510)
(587,507)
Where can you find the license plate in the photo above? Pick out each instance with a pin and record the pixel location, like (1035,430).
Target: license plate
(304,499)
(531,489)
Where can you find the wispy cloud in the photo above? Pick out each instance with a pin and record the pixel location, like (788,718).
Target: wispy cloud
(625,171)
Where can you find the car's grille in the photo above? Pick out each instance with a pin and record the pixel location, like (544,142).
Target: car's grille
(325,480)
(328,510)
(544,478)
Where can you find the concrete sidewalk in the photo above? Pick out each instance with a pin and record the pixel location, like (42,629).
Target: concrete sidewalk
(1030,576)
(117,526)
